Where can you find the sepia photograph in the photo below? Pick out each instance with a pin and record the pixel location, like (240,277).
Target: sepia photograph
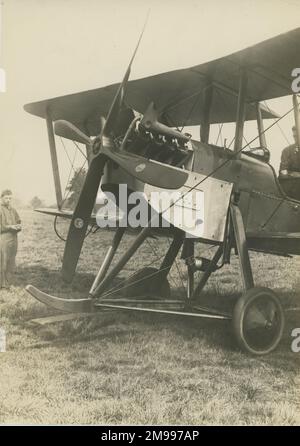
(150,215)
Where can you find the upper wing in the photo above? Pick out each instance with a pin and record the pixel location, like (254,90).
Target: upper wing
(178,94)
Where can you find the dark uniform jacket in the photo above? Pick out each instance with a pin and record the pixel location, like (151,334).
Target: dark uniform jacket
(290,159)
(8,243)
(8,217)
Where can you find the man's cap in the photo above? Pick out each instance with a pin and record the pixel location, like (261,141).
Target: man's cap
(6,192)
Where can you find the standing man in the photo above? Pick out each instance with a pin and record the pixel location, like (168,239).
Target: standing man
(290,159)
(10,225)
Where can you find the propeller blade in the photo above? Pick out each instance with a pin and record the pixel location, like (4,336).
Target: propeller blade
(116,105)
(68,130)
(81,217)
(84,208)
(148,171)
(150,122)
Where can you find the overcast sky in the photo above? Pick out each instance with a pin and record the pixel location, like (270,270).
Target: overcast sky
(55,47)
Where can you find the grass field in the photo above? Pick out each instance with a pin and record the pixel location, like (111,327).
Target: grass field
(120,368)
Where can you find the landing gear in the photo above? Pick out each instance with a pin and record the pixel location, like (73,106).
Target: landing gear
(258,318)
(258,321)
(147,282)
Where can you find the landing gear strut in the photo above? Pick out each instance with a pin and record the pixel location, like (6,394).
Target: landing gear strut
(257,319)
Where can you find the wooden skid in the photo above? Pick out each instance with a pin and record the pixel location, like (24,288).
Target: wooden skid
(67,305)
(140,301)
(156,310)
(86,307)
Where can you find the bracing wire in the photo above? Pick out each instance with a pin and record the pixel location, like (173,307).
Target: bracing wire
(157,259)
(279,126)
(227,160)
(115,289)
(248,144)
(71,168)
(66,191)
(178,270)
(219,134)
(78,148)
(112,291)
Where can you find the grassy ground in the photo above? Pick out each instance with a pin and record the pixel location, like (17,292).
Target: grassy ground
(122,368)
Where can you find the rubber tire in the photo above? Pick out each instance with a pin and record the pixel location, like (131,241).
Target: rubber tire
(238,318)
(151,285)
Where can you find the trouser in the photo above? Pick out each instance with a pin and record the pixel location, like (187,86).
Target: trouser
(8,252)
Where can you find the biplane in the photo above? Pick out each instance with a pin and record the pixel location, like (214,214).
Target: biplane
(133,133)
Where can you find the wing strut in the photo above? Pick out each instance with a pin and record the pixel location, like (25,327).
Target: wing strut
(260,127)
(54,161)
(297,118)
(207,103)
(241,108)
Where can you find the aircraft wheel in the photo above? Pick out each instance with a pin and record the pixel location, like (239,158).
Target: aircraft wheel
(145,283)
(258,321)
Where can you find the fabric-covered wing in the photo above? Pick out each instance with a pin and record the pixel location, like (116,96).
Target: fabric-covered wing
(178,94)
(64,213)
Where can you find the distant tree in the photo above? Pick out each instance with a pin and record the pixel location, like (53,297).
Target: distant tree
(74,187)
(36,202)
